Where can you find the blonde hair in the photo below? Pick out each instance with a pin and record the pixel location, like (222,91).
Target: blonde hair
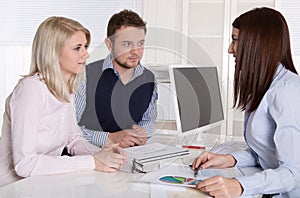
(48,43)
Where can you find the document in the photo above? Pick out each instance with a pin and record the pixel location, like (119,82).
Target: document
(183,175)
(178,180)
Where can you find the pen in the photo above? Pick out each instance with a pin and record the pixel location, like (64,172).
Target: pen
(195,170)
(193,147)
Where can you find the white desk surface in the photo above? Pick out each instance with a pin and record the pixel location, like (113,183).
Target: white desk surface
(84,184)
(79,184)
(88,184)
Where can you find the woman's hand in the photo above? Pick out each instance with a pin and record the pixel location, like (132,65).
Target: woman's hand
(208,159)
(110,159)
(219,186)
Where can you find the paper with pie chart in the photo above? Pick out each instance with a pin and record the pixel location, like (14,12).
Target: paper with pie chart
(183,176)
(179,180)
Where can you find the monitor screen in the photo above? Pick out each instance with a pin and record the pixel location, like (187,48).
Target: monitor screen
(198,103)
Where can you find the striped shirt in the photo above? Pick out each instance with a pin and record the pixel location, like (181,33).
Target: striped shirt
(99,138)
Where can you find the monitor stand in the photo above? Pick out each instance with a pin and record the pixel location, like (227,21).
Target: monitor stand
(167,137)
(201,139)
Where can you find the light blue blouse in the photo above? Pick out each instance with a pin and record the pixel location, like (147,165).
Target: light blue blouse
(272,132)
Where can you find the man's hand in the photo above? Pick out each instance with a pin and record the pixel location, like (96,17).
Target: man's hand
(130,137)
(140,133)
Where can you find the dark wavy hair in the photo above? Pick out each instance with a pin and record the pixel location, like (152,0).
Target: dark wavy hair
(263,43)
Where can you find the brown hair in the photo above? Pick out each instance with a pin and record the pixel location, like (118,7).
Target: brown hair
(263,43)
(124,18)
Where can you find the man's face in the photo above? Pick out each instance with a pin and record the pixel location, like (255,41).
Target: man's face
(127,47)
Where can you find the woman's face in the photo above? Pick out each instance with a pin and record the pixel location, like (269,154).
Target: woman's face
(73,56)
(233,45)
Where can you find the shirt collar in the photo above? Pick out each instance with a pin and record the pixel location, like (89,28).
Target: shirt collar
(107,64)
(280,71)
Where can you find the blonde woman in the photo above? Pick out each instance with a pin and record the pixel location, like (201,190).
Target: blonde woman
(39,119)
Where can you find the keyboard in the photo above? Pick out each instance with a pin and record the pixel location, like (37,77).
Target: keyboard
(229,147)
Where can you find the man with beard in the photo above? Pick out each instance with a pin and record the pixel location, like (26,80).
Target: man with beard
(117,102)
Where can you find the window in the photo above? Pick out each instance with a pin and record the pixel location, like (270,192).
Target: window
(290,10)
(20,18)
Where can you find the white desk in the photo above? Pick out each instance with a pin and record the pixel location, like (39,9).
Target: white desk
(83,184)
(89,184)
(80,184)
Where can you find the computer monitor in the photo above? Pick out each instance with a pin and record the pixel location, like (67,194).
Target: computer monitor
(197,98)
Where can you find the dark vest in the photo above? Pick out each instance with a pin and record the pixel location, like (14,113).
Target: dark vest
(112,106)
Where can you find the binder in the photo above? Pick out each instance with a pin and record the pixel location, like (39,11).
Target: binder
(153,156)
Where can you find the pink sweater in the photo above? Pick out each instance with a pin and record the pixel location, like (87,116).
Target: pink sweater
(36,128)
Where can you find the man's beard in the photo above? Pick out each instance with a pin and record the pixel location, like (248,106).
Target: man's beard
(124,65)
